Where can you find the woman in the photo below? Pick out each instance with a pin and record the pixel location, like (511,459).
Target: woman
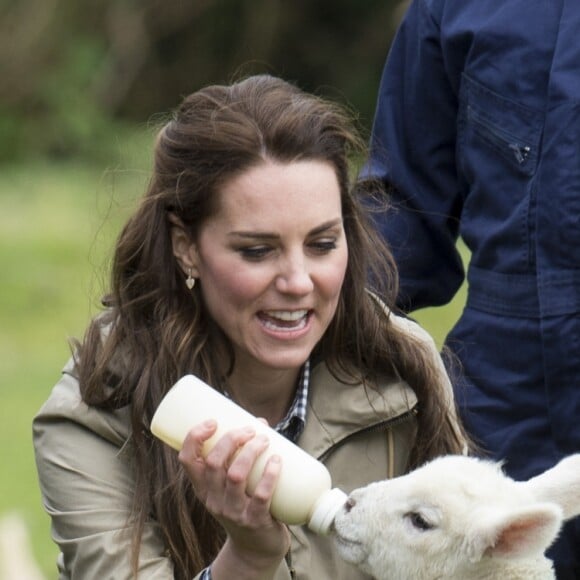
(246,264)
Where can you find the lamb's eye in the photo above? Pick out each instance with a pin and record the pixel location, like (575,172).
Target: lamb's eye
(419,521)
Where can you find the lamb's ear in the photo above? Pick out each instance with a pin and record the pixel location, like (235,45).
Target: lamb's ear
(560,485)
(515,533)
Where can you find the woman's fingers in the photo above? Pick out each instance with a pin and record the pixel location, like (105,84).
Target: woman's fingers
(221,479)
(237,477)
(242,463)
(191,451)
(262,494)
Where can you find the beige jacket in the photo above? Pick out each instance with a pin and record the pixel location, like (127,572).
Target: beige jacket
(83,459)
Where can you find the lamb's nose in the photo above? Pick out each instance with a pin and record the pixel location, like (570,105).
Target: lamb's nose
(350,503)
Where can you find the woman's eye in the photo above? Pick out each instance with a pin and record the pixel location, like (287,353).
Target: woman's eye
(323,246)
(254,252)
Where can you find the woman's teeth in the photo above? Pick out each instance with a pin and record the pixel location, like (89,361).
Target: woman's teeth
(290,315)
(293,319)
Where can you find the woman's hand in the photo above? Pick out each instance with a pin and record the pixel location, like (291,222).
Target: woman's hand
(255,541)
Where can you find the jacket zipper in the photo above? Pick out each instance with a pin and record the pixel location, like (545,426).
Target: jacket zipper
(498,138)
(383,425)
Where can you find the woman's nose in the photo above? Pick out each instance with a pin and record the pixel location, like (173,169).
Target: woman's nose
(294,277)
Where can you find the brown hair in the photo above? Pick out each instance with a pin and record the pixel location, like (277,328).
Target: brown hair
(155,330)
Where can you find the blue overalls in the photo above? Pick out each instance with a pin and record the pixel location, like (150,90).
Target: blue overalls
(478,128)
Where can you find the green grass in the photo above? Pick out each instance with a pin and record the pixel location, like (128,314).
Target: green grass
(57,225)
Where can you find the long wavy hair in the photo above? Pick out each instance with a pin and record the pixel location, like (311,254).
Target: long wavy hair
(154,330)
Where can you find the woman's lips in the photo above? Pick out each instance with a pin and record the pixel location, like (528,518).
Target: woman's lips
(284,320)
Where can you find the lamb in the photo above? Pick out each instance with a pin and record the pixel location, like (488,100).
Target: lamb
(458,518)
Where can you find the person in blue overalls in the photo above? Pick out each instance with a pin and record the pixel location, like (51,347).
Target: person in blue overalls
(477,131)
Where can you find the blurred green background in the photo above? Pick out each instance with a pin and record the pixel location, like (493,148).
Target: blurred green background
(83,86)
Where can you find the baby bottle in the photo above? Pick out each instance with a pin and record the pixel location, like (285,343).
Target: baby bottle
(303,493)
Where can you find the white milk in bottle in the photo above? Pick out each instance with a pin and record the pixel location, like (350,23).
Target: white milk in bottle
(303,494)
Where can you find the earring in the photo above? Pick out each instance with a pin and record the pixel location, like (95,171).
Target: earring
(190,282)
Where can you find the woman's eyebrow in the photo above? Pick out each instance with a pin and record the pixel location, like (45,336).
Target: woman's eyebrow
(326,226)
(253,235)
(271,235)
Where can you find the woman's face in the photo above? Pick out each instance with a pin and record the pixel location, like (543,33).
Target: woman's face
(271,263)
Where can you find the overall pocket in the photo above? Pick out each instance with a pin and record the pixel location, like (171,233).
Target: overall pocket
(498,148)
(508,129)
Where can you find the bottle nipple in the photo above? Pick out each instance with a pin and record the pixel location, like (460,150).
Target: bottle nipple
(325,510)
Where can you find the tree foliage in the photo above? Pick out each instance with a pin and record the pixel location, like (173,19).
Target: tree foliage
(72,67)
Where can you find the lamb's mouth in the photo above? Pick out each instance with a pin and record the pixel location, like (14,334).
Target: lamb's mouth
(350,549)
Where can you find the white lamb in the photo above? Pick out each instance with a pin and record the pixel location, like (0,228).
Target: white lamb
(458,518)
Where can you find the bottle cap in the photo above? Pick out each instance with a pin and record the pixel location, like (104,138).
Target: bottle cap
(325,510)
